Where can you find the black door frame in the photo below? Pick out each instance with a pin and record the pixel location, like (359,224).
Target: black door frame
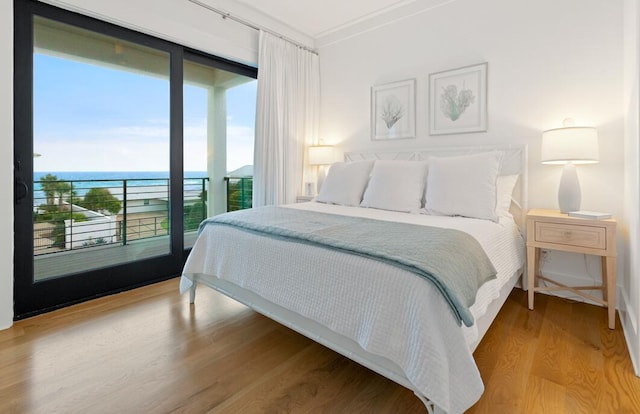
(31,297)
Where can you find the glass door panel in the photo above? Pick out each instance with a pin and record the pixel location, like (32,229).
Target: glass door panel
(101,150)
(219,117)
(241,110)
(97,158)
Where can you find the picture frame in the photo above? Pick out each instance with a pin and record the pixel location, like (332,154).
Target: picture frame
(393,110)
(458,100)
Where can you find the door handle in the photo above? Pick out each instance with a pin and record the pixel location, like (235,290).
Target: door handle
(21,189)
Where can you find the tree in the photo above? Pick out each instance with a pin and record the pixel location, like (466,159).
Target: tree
(49,185)
(195,213)
(101,200)
(52,187)
(63,188)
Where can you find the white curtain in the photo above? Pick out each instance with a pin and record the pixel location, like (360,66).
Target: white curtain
(287,119)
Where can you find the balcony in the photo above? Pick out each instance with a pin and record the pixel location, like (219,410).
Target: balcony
(74,215)
(239,192)
(96,223)
(80,225)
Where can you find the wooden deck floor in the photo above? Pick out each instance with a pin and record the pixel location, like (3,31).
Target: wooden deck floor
(149,351)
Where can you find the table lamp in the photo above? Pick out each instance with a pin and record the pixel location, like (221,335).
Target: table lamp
(321,156)
(569,146)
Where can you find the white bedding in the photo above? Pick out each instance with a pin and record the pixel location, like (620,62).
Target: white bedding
(387,311)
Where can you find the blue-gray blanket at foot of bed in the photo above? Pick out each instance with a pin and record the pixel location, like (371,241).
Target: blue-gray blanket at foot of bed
(452,260)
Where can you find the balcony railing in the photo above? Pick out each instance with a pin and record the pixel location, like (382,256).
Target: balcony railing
(72,215)
(239,192)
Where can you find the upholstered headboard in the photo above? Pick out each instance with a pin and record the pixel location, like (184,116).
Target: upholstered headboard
(514,161)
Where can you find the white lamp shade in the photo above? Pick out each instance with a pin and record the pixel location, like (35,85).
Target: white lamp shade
(577,145)
(321,155)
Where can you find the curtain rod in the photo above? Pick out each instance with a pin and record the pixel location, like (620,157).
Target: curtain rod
(227,15)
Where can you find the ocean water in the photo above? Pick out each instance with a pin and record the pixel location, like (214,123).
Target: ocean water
(83,181)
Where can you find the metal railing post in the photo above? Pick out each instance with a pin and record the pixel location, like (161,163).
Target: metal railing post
(204,202)
(226,180)
(243,202)
(124,212)
(70,215)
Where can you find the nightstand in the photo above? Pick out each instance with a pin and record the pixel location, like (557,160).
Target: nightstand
(303,198)
(552,230)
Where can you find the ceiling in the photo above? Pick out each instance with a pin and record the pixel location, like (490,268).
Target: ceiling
(317,18)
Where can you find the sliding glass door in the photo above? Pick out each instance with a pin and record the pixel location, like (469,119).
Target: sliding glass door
(101,150)
(103,202)
(219,119)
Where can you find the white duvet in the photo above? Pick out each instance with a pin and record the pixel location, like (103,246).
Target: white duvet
(387,311)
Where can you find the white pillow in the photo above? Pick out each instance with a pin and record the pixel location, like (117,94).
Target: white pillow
(396,185)
(463,185)
(345,183)
(504,190)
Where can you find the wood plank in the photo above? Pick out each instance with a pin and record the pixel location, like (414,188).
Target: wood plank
(584,382)
(288,387)
(148,350)
(544,396)
(552,345)
(623,394)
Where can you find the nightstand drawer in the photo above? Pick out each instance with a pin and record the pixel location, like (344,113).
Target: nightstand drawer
(582,236)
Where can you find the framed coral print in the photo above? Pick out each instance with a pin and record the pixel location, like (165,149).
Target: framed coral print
(393,110)
(458,100)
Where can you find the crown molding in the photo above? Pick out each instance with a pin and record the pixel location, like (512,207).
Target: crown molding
(376,20)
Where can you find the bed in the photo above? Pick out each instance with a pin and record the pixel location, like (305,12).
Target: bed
(342,300)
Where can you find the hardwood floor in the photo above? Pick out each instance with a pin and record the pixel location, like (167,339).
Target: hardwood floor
(148,351)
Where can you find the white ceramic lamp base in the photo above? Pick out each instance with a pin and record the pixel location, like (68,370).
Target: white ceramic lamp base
(569,191)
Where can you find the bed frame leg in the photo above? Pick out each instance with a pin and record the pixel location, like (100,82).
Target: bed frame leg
(431,408)
(192,293)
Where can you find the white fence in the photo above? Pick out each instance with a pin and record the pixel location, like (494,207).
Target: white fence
(98,229)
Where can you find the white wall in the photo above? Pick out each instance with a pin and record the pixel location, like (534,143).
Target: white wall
(84,233)
(547,60)
(630,292)
(6,164)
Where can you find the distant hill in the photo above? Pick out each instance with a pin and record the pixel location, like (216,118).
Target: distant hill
(244,171)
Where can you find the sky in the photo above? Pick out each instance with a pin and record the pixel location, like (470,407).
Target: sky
(92,118)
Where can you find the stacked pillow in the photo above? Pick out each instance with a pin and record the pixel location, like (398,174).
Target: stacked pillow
(467,185)
(463,186)
(396,185)
(345,183)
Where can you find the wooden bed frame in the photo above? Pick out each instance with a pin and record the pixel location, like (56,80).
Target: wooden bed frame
(514,162)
